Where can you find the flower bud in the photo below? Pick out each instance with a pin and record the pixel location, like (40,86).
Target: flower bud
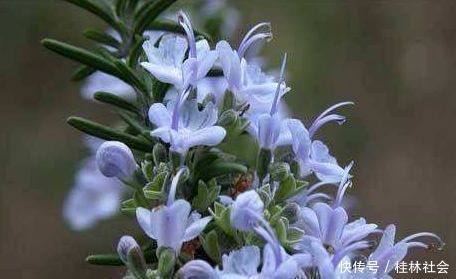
(245,211)
(130,253)
(228,118)
(279,171)
(166,261)
(291,212)
(114,158)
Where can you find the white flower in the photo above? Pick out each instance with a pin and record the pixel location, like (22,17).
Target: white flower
(93,197)
(166,63)
(185,126)
(172,224)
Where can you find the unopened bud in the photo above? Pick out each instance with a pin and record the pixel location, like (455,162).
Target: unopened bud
(131,254)
(166,261)
(115,159)
(228,118)
(291,212)
(279,171)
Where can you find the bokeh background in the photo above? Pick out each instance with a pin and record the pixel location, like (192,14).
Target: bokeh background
(395,59)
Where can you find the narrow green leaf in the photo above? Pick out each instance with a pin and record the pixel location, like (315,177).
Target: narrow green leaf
(148,13)
(105,259)
(81,55)
(111,99)
(135,52)
(221,168)
(114,259)
(130,76)
(102,38)
(108,133)
(97,9)
(159,91)
(81,73)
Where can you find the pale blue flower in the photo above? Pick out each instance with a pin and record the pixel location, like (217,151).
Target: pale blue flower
(93,197)
(184,126)
(247,81)
(244,264)
(172,224)
(245,211)
(329,224)
(115,159)
(247,215)
(313,156)
(389,253)
(167,62)
(330,266)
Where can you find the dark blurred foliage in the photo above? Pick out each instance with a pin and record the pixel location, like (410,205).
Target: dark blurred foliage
(395,59)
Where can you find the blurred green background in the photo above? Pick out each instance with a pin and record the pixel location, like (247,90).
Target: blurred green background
(395,59)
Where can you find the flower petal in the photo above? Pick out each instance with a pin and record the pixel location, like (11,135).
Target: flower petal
(159,115)
(196,228)
(209,136)
(144,217)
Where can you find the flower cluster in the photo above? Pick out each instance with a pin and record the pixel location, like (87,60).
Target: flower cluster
(224,183)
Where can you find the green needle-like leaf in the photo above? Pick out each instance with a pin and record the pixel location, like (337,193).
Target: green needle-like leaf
(83,56)
(108,133)
(148,13)
(102,38)
(81,73)
(97,9)
(114,259)
(109,98)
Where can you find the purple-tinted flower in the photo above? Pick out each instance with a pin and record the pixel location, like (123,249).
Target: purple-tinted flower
(167,63)
(389,252)
(248,83)
(93,197)
(115,159)
(184,126)
(313,156)
(246,215)
(329,224)
(329,266)
(172,224)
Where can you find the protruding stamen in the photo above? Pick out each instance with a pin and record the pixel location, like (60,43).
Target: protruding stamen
(319,121)
(277,96)
(343,186)
(185,22)
(173,188)
(250,37)
(438,246)
(340,119)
